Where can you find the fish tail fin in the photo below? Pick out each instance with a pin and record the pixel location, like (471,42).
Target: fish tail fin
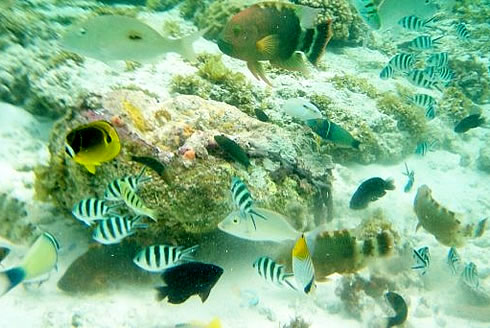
(390,184)
(185,45)
(480,228)
(314,46)
(162,292)
(11,278)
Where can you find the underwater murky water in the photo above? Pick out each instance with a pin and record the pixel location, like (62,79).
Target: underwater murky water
(225,163)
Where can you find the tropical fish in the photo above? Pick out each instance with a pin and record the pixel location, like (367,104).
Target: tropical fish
(445,74)
(301,109)
(89,210)
(93,144)
(423,100)
(462,32)
(114,229)
(184,280)
(243,200)
(215,323)
(399,306)
(268,269)
(276,32)
(369,191)
(469,122)
(414,23)
(431,73)
(438,59)
(424,147)
(112,37)
(261,115)
(150,162)
(424,42)
(134,202)
(303,269)
(430,113)
(233,149)
(470,275)
(411,178)
(403,62)
(113,190)
(157,258)
(40,259)
(369,12)
(276,228)
(419,78)
(422,259)
(387,72)
(453,260)
(332,132)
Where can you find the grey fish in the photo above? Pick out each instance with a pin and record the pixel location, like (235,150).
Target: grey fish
(112,37)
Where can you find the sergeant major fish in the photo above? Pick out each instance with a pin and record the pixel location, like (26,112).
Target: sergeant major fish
(112,37)
(453,260)
(157,258)
(462,32)
(243,200)
(369,191)
(414,23)
(424,42)
(41,258)
(422,259)
(268,269)
(114,229)
(470,275)
(387,72)
(135,203)
(276,32)
(89,210)
(113,189)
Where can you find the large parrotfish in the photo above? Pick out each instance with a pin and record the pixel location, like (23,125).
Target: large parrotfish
(276,32)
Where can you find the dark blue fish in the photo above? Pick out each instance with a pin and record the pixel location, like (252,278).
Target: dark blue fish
(369,191)
(469,122)
(233,149)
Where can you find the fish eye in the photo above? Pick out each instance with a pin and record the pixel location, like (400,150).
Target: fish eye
(82,31)
(235,221)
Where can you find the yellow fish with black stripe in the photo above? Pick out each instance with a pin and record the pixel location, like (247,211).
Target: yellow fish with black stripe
(40,259)
(93,144)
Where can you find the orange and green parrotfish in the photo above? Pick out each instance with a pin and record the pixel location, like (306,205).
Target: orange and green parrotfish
(276,32)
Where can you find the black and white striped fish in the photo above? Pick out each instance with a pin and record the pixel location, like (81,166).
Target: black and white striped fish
(423,100)
(438,59)
(414,23)
(431,73)
(158,258)
(445,74)
(424,147)
(430,113)
(403,62)
(114,229)
(113,189)
(422,259)
(89,210)
(135,203)
(387,72)
(470,275)
(462,31)
(418,77)
(424,42)
(453,260)
(272,272)
(243,200)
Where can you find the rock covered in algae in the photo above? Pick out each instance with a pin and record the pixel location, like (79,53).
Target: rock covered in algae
(442,223)
(195,197)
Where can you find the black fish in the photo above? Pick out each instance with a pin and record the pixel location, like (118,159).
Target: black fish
(369,191)
(398,304)
(261,116)
(150,162)
(185,280)
(469,122)
(233,149)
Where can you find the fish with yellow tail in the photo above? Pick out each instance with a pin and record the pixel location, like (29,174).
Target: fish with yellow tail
(303,269)
(445,225)
(135,203)
(93,144)
(278,32)
(112,37)
(40,259)
(215,323)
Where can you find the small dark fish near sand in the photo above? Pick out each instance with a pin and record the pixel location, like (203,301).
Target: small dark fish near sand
(150,162)
(399,306)
(369,191)
(469,122)
(184,280)
(261,115)
(233,149)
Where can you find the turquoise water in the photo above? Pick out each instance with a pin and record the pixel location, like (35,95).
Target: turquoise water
(223,140)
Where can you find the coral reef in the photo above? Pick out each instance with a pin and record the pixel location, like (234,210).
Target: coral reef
(472,78)
(297,322)
(12,212)
(161,4)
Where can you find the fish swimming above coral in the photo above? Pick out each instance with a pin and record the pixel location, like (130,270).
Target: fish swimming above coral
(114,229)
(332,132)
(150,162)
(243,200)
(369,191)
(113,189)
(369,12)
(233,149)
(277,32)
(301,109)
(136,204)
(445,225)
(41,258)
(158,258)
(112,37)
(92,144)
(469,122)
(399,306)
(89,210)
(188,279)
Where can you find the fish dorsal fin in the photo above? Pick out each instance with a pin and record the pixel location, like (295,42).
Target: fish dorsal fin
(268,45)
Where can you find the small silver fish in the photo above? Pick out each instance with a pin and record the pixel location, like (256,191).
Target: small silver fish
(89,210)
(114,229)
(453,260)
(387,72)
(411,178)
(462,32)
(470,275)
(422,259)
(424,42)
(158,258)
(272,272)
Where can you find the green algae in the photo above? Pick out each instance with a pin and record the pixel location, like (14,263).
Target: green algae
(355,84)
(161,5)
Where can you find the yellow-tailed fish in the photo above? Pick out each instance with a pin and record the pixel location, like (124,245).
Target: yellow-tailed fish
(303,269)
(215,323)
(41,258)
(134,202)
(92,144)
(112,37)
